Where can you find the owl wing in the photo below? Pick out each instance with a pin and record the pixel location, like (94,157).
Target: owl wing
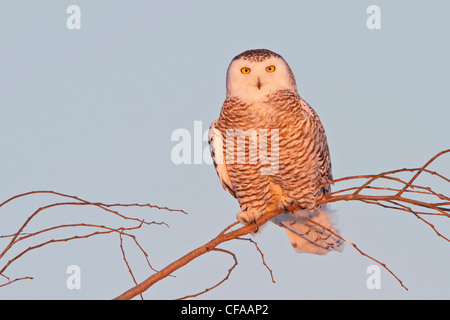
(310,230)
(323,153)
(216,148)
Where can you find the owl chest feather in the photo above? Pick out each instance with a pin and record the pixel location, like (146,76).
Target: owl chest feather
(291,127)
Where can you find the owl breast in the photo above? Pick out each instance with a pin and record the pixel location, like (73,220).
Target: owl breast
(285,173)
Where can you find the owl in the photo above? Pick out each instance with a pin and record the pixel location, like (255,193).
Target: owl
(270,151)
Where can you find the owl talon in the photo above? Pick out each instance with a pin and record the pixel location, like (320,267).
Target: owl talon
(244,217)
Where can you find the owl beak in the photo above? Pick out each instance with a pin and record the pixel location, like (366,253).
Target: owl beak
(258,84)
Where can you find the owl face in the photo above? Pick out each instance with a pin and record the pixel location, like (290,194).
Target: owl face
(254,74)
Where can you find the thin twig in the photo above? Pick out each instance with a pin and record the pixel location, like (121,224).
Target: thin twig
(12,281)
(359,250)
(261,253)
(222,281)
(126,261)
(20,235)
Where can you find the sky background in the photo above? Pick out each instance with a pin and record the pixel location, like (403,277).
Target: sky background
(91,112)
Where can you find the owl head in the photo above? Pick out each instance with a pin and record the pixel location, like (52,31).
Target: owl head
(254,74)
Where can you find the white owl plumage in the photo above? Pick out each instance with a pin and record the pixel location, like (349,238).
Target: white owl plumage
(264,114)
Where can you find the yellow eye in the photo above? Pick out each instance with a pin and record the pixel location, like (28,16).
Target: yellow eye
(270,69)
(245,70)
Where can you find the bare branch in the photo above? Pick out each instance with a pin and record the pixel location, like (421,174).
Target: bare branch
(262,255)
(398,200)
(126,262)
(20,235)
(388,190)
(359,250)
(223,280)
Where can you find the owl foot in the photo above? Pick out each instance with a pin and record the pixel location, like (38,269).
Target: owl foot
(247,217)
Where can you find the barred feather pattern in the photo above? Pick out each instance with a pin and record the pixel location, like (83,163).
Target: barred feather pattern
(303,165)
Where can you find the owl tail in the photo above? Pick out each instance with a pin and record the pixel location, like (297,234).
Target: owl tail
(309,231)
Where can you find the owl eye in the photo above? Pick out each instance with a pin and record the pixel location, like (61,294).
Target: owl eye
(270,69)
(245,70)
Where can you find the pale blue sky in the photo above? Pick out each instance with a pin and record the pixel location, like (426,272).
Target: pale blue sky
(90,113)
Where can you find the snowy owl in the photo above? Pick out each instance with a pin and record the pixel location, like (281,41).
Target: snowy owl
(270,151)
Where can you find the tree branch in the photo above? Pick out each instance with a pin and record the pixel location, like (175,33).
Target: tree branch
(400,202)
(405,196)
